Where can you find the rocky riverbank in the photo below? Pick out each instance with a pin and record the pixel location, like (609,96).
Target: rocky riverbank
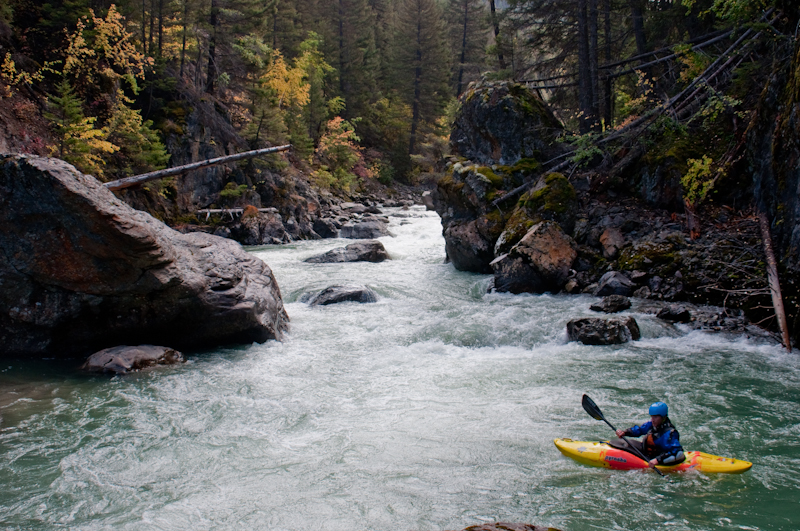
(592,231)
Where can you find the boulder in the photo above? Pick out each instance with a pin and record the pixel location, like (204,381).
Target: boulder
(262,228)
(125,359)
(336,294)
(364,230)
(502,122)
(675,313)
(368,251)
(596,331)
(612,241)
(82,271)
(614,283)
(612,304)
(326,228)
(427,200)
(540,262)
(468,248)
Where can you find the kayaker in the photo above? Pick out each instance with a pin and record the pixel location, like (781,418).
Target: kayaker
(661,443)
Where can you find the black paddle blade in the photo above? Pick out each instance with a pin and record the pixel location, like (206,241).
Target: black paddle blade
(591,408)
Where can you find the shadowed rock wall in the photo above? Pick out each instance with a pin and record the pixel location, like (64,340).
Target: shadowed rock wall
(80,270)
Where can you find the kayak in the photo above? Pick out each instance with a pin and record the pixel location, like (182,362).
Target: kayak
(601,454)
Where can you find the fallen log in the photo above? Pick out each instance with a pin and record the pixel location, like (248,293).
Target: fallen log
(160,174)
(774,282)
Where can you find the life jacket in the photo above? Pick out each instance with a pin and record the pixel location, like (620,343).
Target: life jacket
(649,443)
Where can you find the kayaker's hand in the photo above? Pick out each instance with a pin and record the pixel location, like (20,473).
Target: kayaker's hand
(620,433)
(653,463)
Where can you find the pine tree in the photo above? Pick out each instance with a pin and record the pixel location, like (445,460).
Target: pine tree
(79,142)
(140,148)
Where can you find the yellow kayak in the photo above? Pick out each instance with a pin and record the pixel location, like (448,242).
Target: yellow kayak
(602,455)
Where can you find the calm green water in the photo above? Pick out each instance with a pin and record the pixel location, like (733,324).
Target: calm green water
(434,408)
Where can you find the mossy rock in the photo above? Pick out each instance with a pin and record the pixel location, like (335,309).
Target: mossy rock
(553,198)
(515,229)
(657,257)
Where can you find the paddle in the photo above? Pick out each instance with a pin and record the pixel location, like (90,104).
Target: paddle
(594,412)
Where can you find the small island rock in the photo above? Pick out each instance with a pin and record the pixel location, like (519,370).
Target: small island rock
(596,331)
(125,359)
(368,251)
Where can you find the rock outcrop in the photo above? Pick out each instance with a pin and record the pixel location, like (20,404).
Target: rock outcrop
(81,271)
(367,251)
(596,331)
(125,359)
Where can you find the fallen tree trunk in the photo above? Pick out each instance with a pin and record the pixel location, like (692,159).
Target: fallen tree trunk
(774,282)
(160,174)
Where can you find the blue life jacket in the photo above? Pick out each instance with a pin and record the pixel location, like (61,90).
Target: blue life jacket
(662,443)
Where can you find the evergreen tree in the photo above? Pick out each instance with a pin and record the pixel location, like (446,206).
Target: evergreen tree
(421,67)
(79,142)
(468,37)
(140,148)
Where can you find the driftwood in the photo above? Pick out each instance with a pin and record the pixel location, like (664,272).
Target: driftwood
(774,283)
(160,174)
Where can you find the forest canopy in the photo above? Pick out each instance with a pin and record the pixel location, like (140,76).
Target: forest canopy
(366,88)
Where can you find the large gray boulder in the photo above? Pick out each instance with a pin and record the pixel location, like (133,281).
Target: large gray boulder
(80,270)
(367,251)
(540,262)
(501,122)
(364,230)
(125,359)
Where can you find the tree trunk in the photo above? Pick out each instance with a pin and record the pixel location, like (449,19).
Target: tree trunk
(463,50)
(212,48)
(774,282)
(152,27)
(496,25)
(183,36)
(608,107)
(417,87)
(160,27)
(585,96)
(637,17)
(593,63)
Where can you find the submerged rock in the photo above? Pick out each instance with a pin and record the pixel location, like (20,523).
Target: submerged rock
(505,526)
(125,359)
(368,251)
(336,294)
(596,331)
(81,270)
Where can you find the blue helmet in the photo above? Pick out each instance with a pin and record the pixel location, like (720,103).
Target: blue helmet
(658,408)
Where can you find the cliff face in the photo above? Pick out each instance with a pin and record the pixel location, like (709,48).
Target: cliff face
(81,270)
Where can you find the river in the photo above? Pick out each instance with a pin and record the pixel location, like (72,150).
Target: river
(434,408)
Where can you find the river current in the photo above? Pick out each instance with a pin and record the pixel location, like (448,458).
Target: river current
(434,408)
